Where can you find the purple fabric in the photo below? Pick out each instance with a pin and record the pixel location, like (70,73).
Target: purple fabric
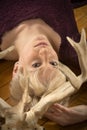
(57,13)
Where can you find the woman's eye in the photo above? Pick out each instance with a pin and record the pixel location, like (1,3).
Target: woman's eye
(35,65)
(54,63)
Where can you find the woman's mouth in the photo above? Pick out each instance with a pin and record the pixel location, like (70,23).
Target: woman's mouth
(41,44)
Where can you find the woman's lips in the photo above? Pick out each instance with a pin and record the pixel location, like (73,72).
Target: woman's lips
(41,44)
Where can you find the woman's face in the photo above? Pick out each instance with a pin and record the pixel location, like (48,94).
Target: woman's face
(39,54)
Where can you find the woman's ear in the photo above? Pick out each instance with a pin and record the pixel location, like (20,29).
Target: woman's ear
(15,69)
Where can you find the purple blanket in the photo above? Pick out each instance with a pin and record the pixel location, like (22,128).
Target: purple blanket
(57,13)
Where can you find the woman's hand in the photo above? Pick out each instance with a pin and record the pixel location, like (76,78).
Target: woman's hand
(67,116)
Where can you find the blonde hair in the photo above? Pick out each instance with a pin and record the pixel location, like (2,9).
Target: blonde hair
(36,87)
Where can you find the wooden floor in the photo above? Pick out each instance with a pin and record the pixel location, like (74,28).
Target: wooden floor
(81,98)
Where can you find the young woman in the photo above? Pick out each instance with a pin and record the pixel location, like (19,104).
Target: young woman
(36,49)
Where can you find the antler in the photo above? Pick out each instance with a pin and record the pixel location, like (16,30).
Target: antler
(5,52)
(81,49)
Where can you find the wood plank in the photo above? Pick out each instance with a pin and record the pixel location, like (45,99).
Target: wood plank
(5,64)
(81,17)
(5,76)
(4,92)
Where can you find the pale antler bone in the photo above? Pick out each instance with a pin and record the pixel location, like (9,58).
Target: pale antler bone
(41,107)
(81,49)
(5,52)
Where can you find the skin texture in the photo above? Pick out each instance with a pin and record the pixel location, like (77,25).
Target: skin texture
(67,116)
(36,46)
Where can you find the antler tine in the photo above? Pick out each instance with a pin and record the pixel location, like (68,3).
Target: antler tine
(5,52)
(81,49)
(83,58)
(3,106)
(83,37)
(70,76)
(80,45)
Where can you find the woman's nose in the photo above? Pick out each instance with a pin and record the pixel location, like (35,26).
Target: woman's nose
(44,52)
